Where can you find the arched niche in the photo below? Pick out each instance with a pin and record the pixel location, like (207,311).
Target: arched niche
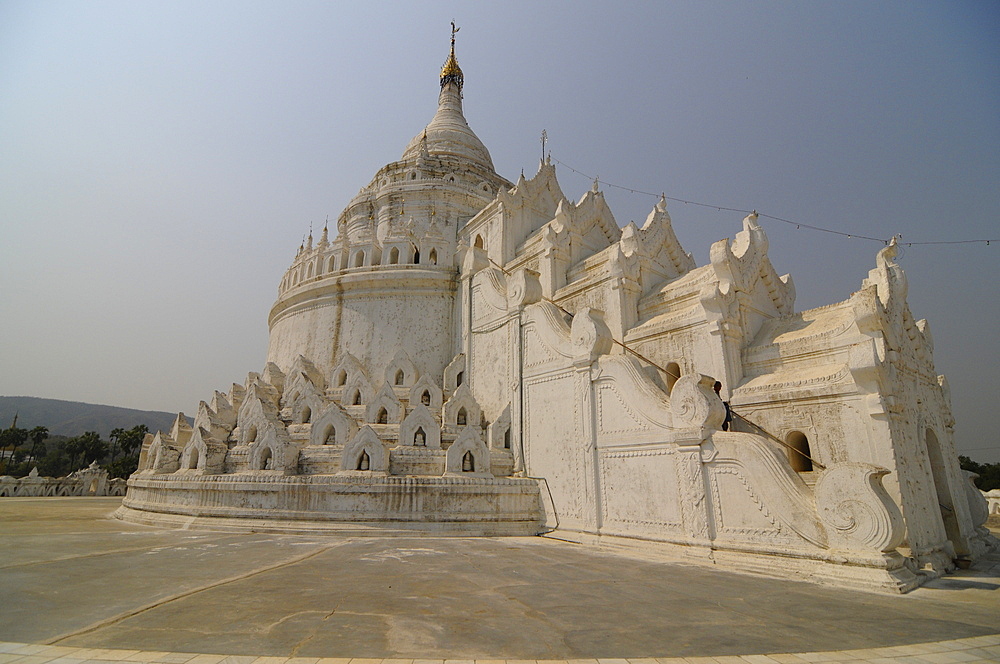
(384,407)
(264,459)
(468,442)
(427,393)
(420,418)
(799,455)
(462,403)
(367,442)
(401,372)
(332,427)
(357,392)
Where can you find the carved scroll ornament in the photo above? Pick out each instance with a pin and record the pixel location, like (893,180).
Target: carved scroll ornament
(856,509)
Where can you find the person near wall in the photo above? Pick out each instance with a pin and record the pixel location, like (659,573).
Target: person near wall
(729,412)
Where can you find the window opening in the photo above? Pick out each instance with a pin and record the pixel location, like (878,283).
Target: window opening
(800,446)
(673,373)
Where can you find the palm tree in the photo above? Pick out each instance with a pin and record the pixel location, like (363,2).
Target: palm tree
(37,435)
(116,439)
(93,447)
(12,438)
(73,447)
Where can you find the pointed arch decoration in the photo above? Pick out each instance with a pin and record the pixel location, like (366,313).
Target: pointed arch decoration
(426,392)
(332,427)
(469,441)
(462,403)
(420,418)
(386,401)
(366,441)
(347,367)
(401,363)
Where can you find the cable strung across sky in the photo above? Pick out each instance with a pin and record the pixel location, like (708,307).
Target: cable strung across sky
(797,224)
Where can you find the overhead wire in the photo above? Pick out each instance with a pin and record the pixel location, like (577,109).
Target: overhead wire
(797,224)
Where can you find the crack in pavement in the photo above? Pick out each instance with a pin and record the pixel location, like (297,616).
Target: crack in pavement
(109,552)
(153,605)
(298,646)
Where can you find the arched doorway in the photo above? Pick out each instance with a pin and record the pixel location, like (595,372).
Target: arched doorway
(942,490)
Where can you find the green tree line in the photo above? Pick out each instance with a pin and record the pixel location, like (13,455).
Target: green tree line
(58,456)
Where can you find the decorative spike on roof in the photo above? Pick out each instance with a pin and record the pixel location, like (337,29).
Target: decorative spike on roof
(451,72)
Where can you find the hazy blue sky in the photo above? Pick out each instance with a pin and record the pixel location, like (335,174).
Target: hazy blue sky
(161,161)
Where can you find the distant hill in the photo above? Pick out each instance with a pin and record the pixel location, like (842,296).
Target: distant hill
(71,418)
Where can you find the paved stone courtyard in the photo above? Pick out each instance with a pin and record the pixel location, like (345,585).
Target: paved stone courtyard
(74,578)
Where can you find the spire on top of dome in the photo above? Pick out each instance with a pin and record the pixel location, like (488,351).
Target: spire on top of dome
(448,133)
(451,72)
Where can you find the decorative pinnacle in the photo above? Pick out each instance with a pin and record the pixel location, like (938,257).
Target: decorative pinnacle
(451,72)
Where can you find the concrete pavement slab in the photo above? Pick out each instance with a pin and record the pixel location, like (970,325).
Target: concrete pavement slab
(74,577)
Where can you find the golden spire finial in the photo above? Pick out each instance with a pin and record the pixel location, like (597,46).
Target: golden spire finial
(451,72)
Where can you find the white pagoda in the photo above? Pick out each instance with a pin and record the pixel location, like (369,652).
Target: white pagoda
(471,356)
